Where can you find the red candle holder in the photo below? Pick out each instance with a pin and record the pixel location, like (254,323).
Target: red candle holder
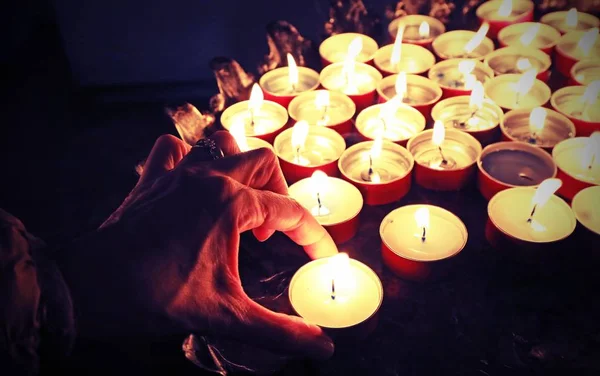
(544,39)
(506,60)
(269,121)
(568,52)
(558,20)
(366,79)
(335,48)
(572,170)
(584,72)
(336,113)
(414,60)
(398,125)
(421,93)
(392,166)
(448,76)
(451,45)
(460,151)
(276,85)
(522,11)
(506,165)
(568,101)
(413,31)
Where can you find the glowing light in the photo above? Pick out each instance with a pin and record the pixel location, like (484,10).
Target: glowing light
(397,48)
(256,99)
(588,40)
(526,82)
(466,67)
(572,18)
(341,276)
(422,217)
(524,64)
(591,152)
(477,38)
(238,132)
(322,99)
(476,98)
(537,118)
(529,35)
(439,133)
(299,134)
(590,96)
(424,31)
(505,8)
(543,193)
(354,49)
(401,86)
(292,71)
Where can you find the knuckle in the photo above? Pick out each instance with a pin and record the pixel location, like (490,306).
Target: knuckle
(166,140)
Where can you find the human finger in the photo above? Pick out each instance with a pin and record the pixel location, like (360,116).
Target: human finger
(166,153)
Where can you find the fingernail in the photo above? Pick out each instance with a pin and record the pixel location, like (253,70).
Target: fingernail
(326,348)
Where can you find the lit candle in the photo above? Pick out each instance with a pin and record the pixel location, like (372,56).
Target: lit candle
(586,207)
(418,92)
(444,158)
(518,60)
(262,119)
(575,46)
(281,85)
(401,57)
(472,114)
(584,72)
(303,149)
(247,143)
(463,44)
(418,241)
(502,13)
(565,21)
(512,164)
(396,121)
(337,48)
(517,91)
(324,108)
(336,293)
(539,126)
(578,161)
(581,105)
(418,29)
(335,203)
(529,35)
(381,170)
(458,76)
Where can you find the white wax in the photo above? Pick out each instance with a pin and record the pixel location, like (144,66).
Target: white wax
(341,200)
(510,209)
(586,71)
(404,123)
(356,300)
(558,20)
(569,157)
(277,81)
(456,113)
(413,60)
(304,107)
(569,45)
(445,236)
(454,151)
(575,108)
(270,118)
(488,10)
(339,56)
(256,143)
(503,91)
(586,206)
(364,79)
(322,146)
(452,45)
(335,48)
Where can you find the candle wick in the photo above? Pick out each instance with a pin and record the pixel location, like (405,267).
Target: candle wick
(532,213)
(325,109)
(298,155)
(464,123)
(319,205)
(252,117)
(383,123)
(423,237)
(592,162)
(293,88)
(332,289)
(517,98)
(370,165)
(444,160)
(584,108)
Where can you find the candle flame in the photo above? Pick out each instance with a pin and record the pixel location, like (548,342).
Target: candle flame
(590,96)
(591,152)
(397,48)
(292,71)
(401,86)
(526,82)
(505,8)
(537,118)
(572,18)
(530,34)
(439,133)
(354,49)
(299,134)
(424,30)
(388,109)
(524,64)
(476,99)
(377,146)
(477,38)
(422,217)
(466,67)
(588,40)
(256,99)
(238,132)
(543,193)
(339,266)
(322,99)
(318,181)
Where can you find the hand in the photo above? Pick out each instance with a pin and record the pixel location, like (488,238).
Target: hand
(167,259)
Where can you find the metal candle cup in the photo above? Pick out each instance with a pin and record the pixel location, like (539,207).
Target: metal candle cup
(586,207)
(457,113)
(335,48)
(515,126)
(451,80)
(545,39)
(451,44)
(414,60)
(522,11)
(336,115)
(501,90)
(506,61)
(276,85)
(393,168)
(321,151)
(411,24)
(568,52)
(459,150)
(585,71)
(404,124)
(411,257)
(569,157)
(268,121)
(336,205)
(506,165)
(421,92)
(558,20)
(365,79)
(568,101)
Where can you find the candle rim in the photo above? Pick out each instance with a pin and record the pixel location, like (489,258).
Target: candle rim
(563,147)
(583,64)
(438,110)
(448,64)
(573,37)
(566,92)
(242,106)
(311,73)
(514,78)
(575,205)
(553,118)
(510,30)
(528,6)
(416,79)
(310,97)
(368,44)
(366,68)
(360,122)
(455,135)
(532,53)
(432,21)
(314,131)
(411,51)
(466,35)
(558,16)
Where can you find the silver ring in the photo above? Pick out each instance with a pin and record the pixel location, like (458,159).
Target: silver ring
(210,148)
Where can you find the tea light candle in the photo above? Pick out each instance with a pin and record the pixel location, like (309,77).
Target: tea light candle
(531,215)
(584,72)
(529,35)
(247,143)
(586,207)
(381,170)
(472,114)
(403,57)
(418,29)
(303,149)
(575,46)
(281,85)
(578,161)
(518,60)
(416,91)
(262,119)
(396,121)
(512,164)
(334,203)
(417,241)
(581,105)
(565,21)
(336,293)
(444,158)
(325,108)
(463,44)
(502,13)
(335,49)
(517,91)
(458,76)
(539,126)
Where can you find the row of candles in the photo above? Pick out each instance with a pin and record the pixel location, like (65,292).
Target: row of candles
(473,95)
